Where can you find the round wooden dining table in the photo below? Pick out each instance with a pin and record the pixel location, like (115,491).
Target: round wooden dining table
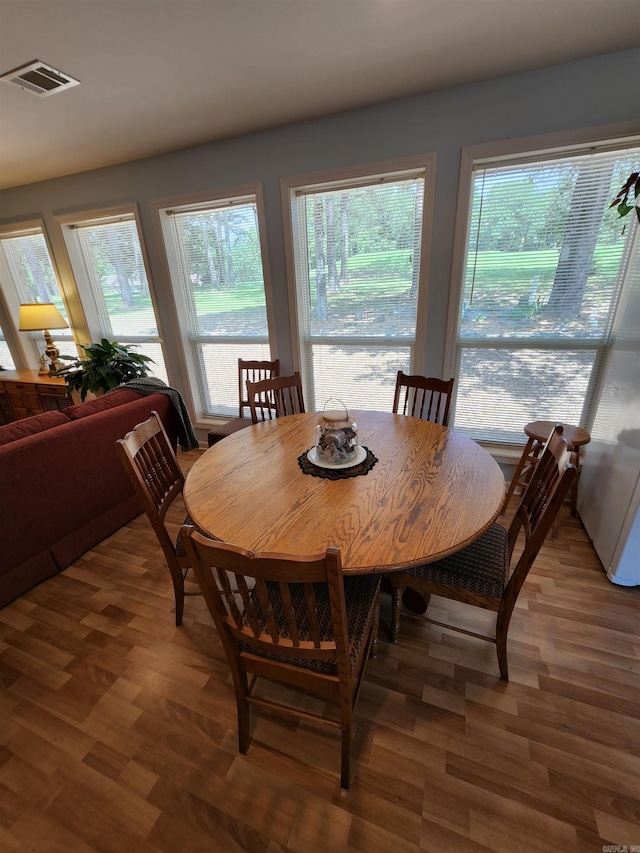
(431,492)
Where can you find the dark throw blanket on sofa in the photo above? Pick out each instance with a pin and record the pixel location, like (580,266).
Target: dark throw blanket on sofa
(150,385)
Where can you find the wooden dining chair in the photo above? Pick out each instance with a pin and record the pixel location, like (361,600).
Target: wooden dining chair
(423,397)
(275,398)
(153,469)
(480,574)
(292,619)
(537,433)
(248,371)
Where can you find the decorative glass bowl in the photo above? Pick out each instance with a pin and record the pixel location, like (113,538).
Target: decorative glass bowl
(336,435)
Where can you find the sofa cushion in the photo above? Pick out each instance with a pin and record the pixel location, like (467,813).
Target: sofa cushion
(101,404)
(31,426)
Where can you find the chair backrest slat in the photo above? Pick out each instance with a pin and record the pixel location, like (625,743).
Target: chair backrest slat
(230,598)
(275,397)
(265,603)
(289,614)
(312,615)
(263,403)
(278,610)
(423,397)
(552,478)
(253,371)
(153,470)
(543,490)
(153,463)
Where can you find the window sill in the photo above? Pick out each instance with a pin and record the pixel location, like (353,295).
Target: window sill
(211,422)
(504,454)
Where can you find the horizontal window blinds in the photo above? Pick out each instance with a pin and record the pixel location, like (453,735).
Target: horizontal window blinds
(31,270)
(357,268)
(113,259)
(118,285)
(219,266)
(545,261)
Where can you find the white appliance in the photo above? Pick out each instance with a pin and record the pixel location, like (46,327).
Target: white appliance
(609,489)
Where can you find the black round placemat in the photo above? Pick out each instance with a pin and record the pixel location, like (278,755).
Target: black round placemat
(337,473)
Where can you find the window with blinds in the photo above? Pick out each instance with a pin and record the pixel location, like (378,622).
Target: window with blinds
(114,287)
(357,259)
(546,258)
(216,268)
(28,269)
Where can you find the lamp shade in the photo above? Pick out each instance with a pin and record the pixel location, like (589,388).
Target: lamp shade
(37,316)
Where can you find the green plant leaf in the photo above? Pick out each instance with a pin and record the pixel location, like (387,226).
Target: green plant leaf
(621,201)
(105,366)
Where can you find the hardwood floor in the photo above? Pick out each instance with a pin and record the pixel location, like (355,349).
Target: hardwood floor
(118,730)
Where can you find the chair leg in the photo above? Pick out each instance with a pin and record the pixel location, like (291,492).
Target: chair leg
(502,629)
(574,488)
(345,758)
(178,591)
(501,648)
(396,599)
(243,721)
(373,651)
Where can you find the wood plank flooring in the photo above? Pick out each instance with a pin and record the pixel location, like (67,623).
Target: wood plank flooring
(118,730)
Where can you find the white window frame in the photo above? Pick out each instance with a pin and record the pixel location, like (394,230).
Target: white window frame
(68,224)
(423,165)
(26,347)
(216,198)
(544,147)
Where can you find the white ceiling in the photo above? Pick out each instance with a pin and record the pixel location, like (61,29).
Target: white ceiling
(159,75)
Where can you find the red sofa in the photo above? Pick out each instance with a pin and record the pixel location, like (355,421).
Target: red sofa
(62,486)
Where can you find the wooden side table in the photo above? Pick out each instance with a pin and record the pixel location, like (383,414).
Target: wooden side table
(538,432)
(25,393)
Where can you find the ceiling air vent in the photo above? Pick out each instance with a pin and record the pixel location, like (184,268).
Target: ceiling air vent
(40,79)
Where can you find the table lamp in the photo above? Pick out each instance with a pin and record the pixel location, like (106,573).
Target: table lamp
(40,317)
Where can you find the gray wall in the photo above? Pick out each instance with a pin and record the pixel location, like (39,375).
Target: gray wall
(588,93)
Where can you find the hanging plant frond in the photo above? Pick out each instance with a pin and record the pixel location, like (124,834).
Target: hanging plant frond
(628,196)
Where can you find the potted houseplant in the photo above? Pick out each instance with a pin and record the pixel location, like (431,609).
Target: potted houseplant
(105,366)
